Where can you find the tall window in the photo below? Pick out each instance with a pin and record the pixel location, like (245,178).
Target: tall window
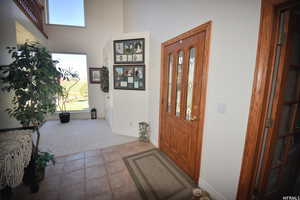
(78,96)
(66,12)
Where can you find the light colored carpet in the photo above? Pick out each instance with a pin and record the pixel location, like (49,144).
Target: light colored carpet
(78,136)
(157,177)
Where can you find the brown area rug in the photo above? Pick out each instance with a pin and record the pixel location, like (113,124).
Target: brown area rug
(157,177)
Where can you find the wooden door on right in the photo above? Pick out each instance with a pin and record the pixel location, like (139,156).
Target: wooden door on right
(278,173)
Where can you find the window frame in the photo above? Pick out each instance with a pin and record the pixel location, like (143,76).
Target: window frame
(47,17)
(87,68)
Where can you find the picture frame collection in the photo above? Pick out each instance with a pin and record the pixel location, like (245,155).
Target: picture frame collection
(129,51)
(129,77)
(129,68)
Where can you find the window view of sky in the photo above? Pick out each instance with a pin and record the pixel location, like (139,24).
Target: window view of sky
(66,12)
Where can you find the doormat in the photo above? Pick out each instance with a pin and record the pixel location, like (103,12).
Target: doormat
(157,177)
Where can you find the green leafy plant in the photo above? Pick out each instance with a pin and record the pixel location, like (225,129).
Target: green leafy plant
(43,158)
(63,97)
(34,80)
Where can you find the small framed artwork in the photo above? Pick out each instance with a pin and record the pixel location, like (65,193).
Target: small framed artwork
(129,51)
(95,75)
(129,77)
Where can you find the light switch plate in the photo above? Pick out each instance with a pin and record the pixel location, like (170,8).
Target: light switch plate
(221,108)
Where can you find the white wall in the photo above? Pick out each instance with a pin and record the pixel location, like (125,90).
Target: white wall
(103,19)
(9,14)
(231,69)
(108,62)
(126,108)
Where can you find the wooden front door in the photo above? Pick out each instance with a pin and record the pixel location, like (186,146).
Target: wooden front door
(278,169)
(183,92)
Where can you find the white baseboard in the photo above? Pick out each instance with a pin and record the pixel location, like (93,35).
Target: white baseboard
(213,193)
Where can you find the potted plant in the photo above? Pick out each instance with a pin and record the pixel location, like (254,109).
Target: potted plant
(63,97)
(33,79)
(42,160)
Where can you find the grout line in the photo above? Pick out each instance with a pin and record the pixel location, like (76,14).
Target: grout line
(84,177)
(108,180)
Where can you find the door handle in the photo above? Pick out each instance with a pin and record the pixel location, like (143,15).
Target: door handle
(194,118)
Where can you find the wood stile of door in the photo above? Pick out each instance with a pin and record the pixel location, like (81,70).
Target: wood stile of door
(194,157)
(278,100)
(260,96)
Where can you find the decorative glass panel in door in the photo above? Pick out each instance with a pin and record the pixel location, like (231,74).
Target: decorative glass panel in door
(190,86)
(170,71)
(179,81)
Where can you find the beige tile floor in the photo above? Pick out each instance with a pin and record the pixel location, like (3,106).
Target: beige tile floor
(94,175)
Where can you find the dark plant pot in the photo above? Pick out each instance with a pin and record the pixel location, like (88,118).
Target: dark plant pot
(33,175)
(64,117)
(39,174)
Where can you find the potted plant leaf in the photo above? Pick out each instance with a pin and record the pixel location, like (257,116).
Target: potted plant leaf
(33,79)
(42,160)
(63,97)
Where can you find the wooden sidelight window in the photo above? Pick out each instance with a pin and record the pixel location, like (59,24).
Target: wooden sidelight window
(271,167)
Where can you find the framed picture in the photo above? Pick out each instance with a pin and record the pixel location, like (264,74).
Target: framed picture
(129,51)
(129,77)
(95,75)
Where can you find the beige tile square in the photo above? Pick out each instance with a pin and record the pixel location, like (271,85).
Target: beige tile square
(111,149)
(97,187)
(96,171)
(121,179)
(112,156)
(115,166)
(139,146)
(91,161)
(44,196)
(127,151)
(134,147)
(126,193)
(60,159)
(75,156)
(73,178)
(73,165)
(132,144)
(56,169)
(104,196)
(50,184)
(93,153)
(74,192)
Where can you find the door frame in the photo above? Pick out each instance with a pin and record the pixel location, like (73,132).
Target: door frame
(260,91)
(206,27)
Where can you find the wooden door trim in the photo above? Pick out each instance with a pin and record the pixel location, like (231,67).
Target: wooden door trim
(202,28)
(259,97)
